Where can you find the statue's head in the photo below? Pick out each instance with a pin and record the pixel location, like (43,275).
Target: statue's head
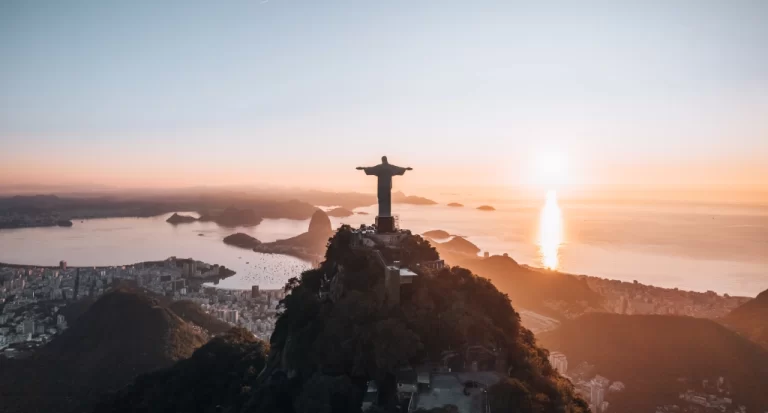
(384,159)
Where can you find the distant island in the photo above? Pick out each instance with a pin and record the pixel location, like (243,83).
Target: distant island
(340,213)
(64,223)
(180,219)
(486,208)
(361,213)
(437,233)
(455,205)
(242,240)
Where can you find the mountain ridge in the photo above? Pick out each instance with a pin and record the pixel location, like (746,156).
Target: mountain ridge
(122,334)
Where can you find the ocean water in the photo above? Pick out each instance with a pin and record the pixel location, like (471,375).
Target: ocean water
(692,247)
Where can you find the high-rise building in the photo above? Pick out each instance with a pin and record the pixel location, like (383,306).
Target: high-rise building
(597,395)
(558,361)
(29,326)
(77,285)
(63,265)
(255,291)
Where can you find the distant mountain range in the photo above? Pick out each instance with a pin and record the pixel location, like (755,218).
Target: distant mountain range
(652,353)
(123,334)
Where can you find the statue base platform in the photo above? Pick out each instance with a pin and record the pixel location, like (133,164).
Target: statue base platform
(385,225)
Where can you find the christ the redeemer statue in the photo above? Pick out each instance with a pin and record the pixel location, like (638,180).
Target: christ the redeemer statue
(384,171)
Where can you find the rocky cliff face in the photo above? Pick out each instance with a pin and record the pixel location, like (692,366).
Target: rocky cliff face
(320,223)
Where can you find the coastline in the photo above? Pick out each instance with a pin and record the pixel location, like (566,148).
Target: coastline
(224,272)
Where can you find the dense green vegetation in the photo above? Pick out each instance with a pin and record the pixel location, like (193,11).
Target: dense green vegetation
(650,353)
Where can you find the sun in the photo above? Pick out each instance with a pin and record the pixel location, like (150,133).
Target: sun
(549,170)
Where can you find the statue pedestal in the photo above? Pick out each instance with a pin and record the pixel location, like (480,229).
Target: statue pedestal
(385,225)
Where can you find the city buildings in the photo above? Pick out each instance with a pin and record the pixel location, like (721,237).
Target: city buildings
(31,297)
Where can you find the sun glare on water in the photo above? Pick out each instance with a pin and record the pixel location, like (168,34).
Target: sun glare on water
(550,232)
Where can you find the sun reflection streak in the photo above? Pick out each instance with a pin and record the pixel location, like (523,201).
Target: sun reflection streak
(550,232)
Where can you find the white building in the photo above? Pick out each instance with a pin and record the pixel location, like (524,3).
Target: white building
(558,361)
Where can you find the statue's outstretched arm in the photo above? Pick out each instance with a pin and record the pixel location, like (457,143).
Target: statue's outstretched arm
(399,170)
(369,170)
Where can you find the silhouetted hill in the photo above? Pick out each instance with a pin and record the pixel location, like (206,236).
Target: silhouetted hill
(400,198)
(337,331)
(73,310)
(219,374)
(320,222)
(549,292)
(123,334)
(486,208)
(455,205)
(460,245)
(751,319)
(192,313)
(437,233)
(186,310)
(242,240)
(234,217)
(649,353)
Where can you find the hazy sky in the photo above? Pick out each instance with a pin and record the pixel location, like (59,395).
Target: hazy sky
(300,92)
